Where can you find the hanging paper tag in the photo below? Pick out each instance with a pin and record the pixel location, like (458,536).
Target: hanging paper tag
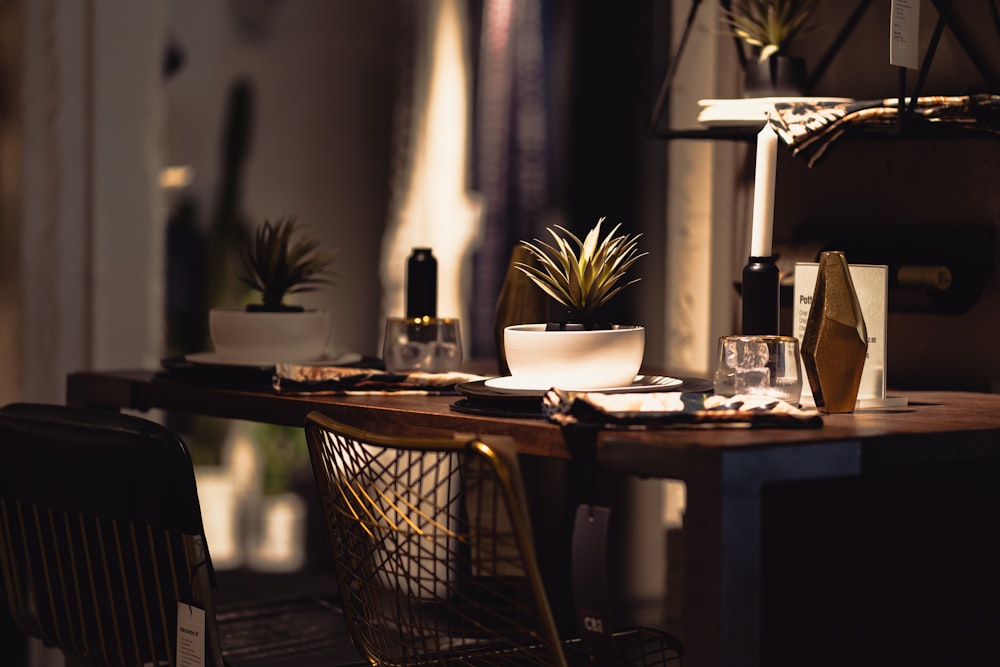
(190,635)
(590,567)
(904,36)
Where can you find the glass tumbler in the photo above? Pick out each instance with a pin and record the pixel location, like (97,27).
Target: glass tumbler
(761,365)
(427,344)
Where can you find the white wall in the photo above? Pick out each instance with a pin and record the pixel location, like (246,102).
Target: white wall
(322,72)
(89,288)
(99,122)
(127,213)
(700,192)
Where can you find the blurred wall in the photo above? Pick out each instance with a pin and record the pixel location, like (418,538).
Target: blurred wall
(80,202)
(10,203)
(93,118)
(89,118)
(321,75)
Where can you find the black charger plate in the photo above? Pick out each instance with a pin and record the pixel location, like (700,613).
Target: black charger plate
(225,375)
(478,399)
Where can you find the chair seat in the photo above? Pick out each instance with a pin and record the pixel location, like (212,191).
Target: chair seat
(293,632)
(636,647)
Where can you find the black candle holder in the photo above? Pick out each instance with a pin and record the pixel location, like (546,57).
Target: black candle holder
(760,296)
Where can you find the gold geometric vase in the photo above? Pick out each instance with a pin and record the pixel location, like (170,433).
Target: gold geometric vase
(835,340)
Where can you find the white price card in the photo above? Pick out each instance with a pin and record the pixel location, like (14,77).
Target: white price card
(871,283)
(190,636)
(904,35)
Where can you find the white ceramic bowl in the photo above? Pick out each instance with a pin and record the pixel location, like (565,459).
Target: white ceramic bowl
(262,337)
(541,359)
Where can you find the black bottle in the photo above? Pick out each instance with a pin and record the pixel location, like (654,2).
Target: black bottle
(421,284)
(760,297)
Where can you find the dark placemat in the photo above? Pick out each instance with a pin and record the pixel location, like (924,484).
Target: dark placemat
(226,375)
(478,399)
(252,376)
(486,401)
(471,407)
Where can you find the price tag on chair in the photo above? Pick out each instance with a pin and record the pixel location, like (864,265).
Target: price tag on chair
(190,635)
(590,582)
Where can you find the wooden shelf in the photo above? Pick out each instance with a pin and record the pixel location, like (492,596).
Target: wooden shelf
(734,133)
(913,129)
(907,124)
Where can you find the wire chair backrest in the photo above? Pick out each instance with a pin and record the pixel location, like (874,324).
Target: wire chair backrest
(432,547)
(101,537)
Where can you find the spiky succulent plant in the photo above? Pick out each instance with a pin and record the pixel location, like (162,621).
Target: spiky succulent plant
(275,264)
(769,25)
(582,275)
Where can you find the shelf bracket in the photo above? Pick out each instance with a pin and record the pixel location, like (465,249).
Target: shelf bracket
(668,78)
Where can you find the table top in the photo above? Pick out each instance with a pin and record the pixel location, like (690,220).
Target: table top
(930,418)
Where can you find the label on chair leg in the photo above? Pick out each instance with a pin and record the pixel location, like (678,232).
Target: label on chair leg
(590,587)
(190,636)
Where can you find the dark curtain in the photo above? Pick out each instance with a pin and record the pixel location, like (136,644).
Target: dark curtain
(562,93)
(511,145)
(561,135)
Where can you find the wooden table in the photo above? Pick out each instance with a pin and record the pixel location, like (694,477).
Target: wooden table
(741,484)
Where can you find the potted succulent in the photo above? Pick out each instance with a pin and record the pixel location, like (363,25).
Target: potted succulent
(276,266)
(276,262)
(769,27)
(584,351)
(583,275)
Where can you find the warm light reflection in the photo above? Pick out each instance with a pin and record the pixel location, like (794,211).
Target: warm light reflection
(176,177)
(435,208)
(245,526)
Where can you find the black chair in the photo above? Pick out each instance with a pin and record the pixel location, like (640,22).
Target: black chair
(435,559)
(104,555)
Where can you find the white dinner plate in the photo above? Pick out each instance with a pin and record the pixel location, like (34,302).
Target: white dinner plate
(509,384)
(213,359)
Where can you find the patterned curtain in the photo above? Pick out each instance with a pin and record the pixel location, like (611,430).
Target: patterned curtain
(511,153)
(471,203)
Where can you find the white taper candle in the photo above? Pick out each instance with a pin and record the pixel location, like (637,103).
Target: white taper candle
(763,192)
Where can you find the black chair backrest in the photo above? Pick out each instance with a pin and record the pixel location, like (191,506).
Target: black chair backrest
(101,536)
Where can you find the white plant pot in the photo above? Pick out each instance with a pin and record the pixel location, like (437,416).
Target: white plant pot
(264,337)
(574,359)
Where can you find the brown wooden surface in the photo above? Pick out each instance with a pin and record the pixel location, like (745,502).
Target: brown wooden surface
(928,413)
(400,413)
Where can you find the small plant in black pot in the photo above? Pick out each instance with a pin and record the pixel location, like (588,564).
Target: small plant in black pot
(770,28)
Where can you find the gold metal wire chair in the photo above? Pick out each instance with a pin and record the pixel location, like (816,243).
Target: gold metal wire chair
(434,554)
